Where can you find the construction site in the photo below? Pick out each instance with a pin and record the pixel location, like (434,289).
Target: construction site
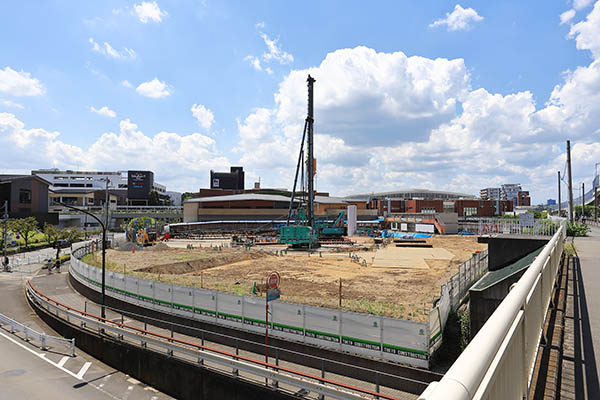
(338,262)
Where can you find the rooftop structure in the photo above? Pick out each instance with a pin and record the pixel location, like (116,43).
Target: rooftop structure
(407,194)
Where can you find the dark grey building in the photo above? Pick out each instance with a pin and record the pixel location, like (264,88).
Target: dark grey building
(27,195)
(139,185)
(228,180)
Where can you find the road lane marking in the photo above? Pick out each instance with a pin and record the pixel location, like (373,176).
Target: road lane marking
(83,370)
(62,361)
(42,356)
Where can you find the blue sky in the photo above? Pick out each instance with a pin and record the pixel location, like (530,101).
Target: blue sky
(392,87)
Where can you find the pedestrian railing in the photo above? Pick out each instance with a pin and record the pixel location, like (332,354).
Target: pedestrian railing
(241,367)
(504,226)
(31,334)
(499,361)
(27,260)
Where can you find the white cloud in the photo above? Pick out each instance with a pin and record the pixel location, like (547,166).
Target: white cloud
(384,121)
(581,4)
(107,50)
(11,104)
(126,84)
(182,162)
(460,19)
(204,116)
(275,52)
(154,89)
(19,83)
(104,111)
(254,62)
(567,16)
(587,32)
(149,11)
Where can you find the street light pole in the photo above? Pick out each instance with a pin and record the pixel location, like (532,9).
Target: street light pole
(559,206)
(103,312)
(5,217)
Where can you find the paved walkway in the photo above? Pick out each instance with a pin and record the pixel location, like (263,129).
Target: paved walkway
(28,372)
(581,345)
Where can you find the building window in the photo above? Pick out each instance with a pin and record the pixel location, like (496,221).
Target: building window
(428,210)
(24,196)
(470,211)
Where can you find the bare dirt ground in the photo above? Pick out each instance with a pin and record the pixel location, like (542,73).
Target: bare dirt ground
(398,282)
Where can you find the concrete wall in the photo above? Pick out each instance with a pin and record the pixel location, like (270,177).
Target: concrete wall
(483,303)
(504,251)
(167,374)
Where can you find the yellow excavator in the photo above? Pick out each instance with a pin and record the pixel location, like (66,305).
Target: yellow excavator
(142,231)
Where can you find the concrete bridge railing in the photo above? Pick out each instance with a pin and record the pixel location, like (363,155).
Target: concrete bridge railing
(499,361)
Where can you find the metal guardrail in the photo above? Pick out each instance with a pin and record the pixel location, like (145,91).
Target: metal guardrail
(121,209)
(499,361)
(233,364)
(30,334)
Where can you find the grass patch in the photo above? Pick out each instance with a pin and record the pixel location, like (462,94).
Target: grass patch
(570,249)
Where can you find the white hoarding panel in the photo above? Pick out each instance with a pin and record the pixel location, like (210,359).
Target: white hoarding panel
(429,228)
(287,319)
(361,333)
(405,341)
(182,300)
(229,307)
(404,227)
(322,326)
(254,313)
(205,302)
(162,294)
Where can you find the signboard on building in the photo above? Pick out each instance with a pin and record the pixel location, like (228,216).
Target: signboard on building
(139,184)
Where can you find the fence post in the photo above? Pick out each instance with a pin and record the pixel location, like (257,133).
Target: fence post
(381,336)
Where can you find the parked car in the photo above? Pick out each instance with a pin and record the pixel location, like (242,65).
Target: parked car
(61,244)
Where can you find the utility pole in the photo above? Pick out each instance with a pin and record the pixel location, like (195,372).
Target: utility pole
(570,183)
(559,205)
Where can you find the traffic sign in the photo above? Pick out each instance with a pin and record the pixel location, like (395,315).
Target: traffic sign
(273,294)
(273,281)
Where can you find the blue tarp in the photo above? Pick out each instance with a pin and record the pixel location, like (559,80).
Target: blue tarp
(403,235)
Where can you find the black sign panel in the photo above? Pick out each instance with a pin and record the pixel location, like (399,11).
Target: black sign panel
(139,184)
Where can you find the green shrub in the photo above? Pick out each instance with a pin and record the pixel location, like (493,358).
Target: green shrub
(577,229)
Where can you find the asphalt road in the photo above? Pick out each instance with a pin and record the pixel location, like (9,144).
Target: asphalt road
(28,372)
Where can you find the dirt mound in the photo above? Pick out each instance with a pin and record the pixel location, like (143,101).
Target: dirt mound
(127,246)
(161,246)
(201,264)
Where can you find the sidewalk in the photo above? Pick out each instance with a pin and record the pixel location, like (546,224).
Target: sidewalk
(581,346)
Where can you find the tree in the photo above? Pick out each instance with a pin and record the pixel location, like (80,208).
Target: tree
(52,234)
(154,198)
(24,227)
